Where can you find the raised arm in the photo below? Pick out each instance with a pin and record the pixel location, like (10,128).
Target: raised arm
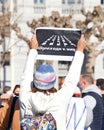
(27,76)
(33,44)
(81,44)
(72,78)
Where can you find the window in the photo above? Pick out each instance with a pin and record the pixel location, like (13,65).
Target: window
(79,1)
(35,1)
(103,62)
(1,1)
(5,56)
(63,1)
(38,1)
(15,5)
(41,1)
(102,1)
(71,2)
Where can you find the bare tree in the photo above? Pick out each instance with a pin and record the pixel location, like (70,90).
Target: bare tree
(92,25)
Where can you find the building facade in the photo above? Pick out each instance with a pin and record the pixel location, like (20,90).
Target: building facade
(26,10)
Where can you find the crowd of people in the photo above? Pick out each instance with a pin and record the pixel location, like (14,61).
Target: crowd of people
(37,97)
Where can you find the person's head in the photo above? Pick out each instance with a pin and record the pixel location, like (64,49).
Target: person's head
(100,83)
(6,89)
(85,81)
(44,78)
(16,90)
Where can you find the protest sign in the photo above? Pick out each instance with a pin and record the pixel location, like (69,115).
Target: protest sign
(57,43)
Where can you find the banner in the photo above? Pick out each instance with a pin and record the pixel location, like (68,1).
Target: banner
(76,114)
(57,43)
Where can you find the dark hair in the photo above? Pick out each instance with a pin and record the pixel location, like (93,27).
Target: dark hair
(6,89)
(100,83)
(16,86)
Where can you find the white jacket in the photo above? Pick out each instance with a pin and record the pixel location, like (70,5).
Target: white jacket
(55,103)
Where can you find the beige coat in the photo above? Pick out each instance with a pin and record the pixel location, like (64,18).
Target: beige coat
(4,116)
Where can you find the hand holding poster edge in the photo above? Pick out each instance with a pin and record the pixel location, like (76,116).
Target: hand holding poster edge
(57,43)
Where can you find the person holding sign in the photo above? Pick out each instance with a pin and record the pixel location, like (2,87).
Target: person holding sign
(38,95)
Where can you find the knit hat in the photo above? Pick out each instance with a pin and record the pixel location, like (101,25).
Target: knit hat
(44,77)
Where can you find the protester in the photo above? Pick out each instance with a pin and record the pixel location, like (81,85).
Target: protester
(9,112)
(6,89)
(77,112)
(5,96)
(16,90)
(93,100)
(100,84)
(44,99)
(4,99)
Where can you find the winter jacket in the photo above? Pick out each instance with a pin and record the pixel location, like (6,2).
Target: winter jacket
(94,100)
(103,113)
